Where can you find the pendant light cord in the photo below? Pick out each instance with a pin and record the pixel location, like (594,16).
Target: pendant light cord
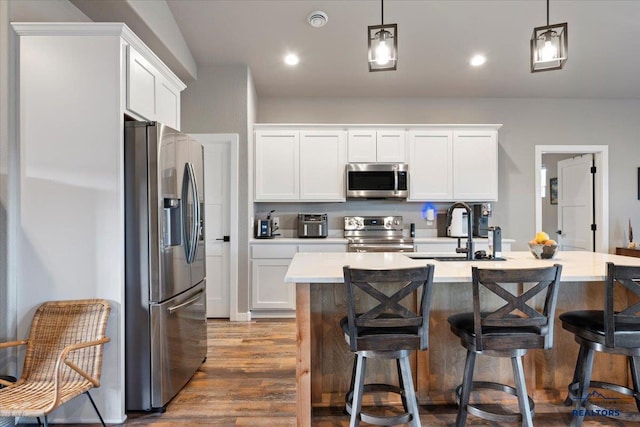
(547,13)
(382,10)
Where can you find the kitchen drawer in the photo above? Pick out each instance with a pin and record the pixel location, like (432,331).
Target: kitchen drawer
(273,251)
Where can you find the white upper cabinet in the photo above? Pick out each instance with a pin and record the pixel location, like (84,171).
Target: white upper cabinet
(149,94)
(381,146)
(277,165)
(322,165)
(475,165)
(300,165)
(361,146)
(453,164)
(431,165)
(307,163)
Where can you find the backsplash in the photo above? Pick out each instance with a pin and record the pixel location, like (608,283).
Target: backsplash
(410,211)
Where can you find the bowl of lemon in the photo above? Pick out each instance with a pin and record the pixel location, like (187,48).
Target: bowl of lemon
(542,247)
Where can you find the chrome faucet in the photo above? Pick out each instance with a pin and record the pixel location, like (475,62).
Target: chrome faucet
(469,249)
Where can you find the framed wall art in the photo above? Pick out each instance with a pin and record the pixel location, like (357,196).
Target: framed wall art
(553,191)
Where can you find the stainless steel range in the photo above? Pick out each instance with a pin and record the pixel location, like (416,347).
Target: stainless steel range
(376,234)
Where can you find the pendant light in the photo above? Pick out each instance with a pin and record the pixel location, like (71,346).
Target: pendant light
(383,45)
(549,48)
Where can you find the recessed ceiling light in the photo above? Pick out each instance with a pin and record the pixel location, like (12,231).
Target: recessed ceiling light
(291,59)
(478,60)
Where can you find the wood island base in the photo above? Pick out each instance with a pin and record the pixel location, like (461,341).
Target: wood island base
(324,361)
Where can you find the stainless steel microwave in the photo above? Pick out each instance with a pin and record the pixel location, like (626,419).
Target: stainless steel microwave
(377,180)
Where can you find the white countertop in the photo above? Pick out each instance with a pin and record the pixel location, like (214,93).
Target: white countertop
(342,240)
(327,267)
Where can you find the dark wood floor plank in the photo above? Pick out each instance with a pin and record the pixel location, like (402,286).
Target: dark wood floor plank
(249,377)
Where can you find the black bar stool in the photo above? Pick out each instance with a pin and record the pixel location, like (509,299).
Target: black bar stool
(386,329)
(509,330)
(608,331)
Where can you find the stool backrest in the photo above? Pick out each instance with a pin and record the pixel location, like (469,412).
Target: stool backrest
(386,325)
(517,323)
(626,319)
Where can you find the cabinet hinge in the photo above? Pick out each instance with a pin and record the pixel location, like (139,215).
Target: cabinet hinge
(593,227)
(593,169)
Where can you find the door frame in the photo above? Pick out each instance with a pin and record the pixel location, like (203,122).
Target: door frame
(233,139)
(601,160)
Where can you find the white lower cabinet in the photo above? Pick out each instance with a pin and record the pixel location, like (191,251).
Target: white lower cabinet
(270,295)
(269,265)
(269,290)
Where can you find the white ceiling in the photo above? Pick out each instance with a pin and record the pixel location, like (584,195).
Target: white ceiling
(436,39)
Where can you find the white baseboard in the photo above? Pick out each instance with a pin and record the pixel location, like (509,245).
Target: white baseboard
(241,317)
(274,314)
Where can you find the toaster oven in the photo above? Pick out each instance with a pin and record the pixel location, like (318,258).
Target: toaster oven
(312,225)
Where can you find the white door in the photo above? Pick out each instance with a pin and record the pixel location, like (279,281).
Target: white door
(575,203)
(220,221)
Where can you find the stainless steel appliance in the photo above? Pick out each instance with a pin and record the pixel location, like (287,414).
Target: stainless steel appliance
(376,234)
(481,214)
(312,225)
(264,229)
(457,222)
(165,313)
(377,180)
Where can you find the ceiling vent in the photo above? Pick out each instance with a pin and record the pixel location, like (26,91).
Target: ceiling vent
(317,19)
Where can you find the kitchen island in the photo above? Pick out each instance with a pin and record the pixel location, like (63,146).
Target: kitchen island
(324,360)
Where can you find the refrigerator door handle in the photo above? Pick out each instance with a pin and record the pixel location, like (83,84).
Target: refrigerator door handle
(185,216)
(195,226)
(185,304)
(190,229)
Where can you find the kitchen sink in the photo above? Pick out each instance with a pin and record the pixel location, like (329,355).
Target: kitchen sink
(452,258)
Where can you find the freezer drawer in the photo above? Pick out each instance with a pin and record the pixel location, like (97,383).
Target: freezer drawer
(178,343)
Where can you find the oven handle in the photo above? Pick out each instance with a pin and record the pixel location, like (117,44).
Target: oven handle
(379,248)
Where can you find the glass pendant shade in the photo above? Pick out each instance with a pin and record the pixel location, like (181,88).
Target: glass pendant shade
(549,47)
(383,47)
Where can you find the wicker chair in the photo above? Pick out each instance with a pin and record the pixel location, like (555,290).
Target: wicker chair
(63,358)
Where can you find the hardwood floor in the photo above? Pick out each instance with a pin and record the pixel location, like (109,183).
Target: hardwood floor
(249,380)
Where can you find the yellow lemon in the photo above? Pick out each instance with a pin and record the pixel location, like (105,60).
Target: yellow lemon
(541,237)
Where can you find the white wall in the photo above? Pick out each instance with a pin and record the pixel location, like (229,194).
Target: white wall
(526,123)
(36,179)
(14,11)
(222,100)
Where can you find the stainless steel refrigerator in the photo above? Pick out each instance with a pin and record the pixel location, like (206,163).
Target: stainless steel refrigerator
(165,313)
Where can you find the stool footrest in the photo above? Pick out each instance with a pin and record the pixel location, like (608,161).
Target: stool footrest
(607,412)
(380,420)
(494,416)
